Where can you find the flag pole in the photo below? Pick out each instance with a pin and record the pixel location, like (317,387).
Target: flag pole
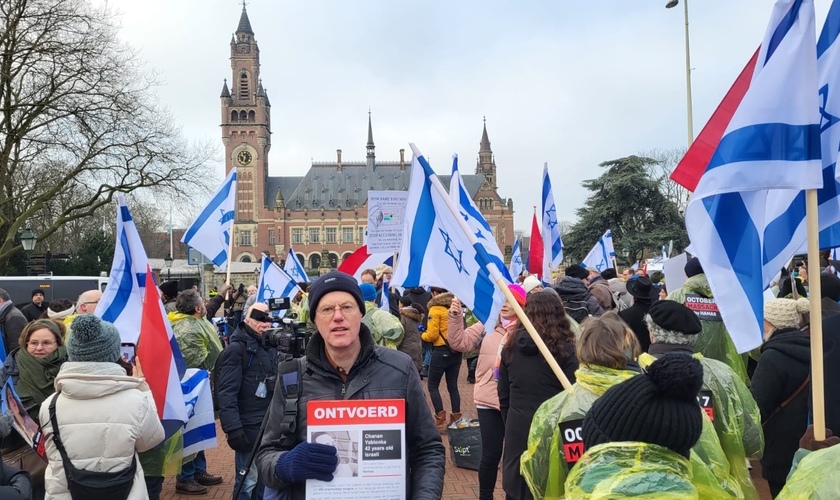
(502,284)
(815,294)
(230,246)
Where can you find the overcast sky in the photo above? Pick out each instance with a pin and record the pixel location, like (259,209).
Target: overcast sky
(570,83)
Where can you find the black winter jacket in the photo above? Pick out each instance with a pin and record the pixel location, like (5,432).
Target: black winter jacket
(12,322)
(571,288)
(379,373)
(15,484)
(831,364)
(239,407)
(33,311)
(634,316)
(419,295)
(784,364)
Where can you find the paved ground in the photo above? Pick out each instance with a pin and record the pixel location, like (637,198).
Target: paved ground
(460,484)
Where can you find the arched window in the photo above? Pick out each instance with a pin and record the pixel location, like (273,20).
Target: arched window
(234,116)
(251,116)
(244,87)
(245,258)
(301,259)
(243,116)
(346,254)
(333,260)
(315,261)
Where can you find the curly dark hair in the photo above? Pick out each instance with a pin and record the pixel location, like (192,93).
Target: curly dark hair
(547,314)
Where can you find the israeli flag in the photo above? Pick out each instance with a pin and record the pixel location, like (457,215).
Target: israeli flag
(274,282)
(553,246)
(635,266)
(602,254)
(436,250)
(294,268)
(516,260)
(478,224)
(210,233)
(385,297)
(200,430)
(122,300)
(744,220)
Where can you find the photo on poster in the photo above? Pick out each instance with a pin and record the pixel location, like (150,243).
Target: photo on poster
(22,422)
(347,445)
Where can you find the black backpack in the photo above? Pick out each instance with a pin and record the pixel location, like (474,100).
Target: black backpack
(246,362)
(578,310)
(90,485)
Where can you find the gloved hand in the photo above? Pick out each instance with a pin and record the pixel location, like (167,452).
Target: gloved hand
(307,461)
(237,441)
(809,443)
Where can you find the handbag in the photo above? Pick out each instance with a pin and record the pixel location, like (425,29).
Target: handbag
(91,485)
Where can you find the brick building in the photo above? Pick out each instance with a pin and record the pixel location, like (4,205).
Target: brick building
(322,214)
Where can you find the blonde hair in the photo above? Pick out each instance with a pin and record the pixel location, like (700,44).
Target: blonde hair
(604,341)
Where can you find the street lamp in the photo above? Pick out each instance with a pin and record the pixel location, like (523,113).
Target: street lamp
(626,253)
(671,4)
(167,261)
(28,240)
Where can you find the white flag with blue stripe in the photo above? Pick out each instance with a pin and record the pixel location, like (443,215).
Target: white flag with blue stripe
(478,224)
(552,244)
(385,297)
(437,252)
(516,265)
(602,254)
(200,430)
(294,268)
(274,283)
(210,233)
(742,220)
(122,300)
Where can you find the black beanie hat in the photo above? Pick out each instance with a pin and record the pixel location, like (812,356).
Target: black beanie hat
(829,286)
(671,315)
(37,291)
(693,267)
(609,273)
(658,407)
(169,288)
(334,281)
(577,271)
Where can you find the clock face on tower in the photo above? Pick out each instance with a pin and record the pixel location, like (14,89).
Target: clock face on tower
(244,157)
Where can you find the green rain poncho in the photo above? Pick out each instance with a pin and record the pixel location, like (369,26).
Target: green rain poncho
(543,464)
(385,327)
(714,341)
(815,478)
(301,310)
(638,470)
(736,423)
(197,339)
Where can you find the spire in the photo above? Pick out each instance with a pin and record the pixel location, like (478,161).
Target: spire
(485,142)
(244,22)
(225,90)
(371,156)
(260,89)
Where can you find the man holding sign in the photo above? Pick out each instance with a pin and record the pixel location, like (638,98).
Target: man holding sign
(342,363)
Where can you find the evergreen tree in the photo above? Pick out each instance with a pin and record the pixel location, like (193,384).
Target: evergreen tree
(629,203)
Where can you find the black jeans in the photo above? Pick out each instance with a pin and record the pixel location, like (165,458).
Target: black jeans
(492,439)
(154,485)
(445,362)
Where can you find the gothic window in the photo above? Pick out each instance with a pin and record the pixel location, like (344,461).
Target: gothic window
(331,235)
(245,238)
(244,90)
(314,235)
(234,116)
(297,235)
(243,116)
(347,235)
(271,236)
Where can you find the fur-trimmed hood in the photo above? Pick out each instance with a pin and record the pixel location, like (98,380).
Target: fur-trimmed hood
(411,312)
(443,300)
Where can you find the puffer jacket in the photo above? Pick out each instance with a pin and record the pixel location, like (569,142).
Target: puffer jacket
(379,373)
(714,341)
(411,318)
(600,289)
(106,417)
(438,321)
(462,339)
(621,296)
(570,288)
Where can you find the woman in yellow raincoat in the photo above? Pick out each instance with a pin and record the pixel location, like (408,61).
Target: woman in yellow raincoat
(606,350)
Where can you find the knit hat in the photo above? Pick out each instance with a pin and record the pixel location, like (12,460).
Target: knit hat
(609,273)
(519,293)
(830,286)
(37,291)
(785,313)
(673,316)
(577,271)
(169,288)
(530,283)
(335,281)
(693,267)
(658,407)
(93,340)
(382,269)
(368,291)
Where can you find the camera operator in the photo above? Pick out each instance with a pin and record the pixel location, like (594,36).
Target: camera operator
(245,386)
(342,362)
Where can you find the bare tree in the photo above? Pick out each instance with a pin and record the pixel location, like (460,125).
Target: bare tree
(563,226)
(79,122)
(666,161)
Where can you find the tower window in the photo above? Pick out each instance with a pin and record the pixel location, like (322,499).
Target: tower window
(243,116)
(244,90)
(251,116)
(234,116)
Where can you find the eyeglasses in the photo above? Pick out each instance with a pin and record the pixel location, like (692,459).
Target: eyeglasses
(91,302)
(47,344)
(346,310)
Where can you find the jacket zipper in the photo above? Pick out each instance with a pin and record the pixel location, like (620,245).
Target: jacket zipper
(343,388)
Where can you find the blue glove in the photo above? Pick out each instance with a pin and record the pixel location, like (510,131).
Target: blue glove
(307,461)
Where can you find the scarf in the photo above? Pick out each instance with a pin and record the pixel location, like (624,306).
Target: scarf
(37,375)
(60,314)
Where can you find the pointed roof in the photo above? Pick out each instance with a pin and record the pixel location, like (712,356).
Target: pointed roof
(225,90)
(370,132)
(485,142)
(244,23)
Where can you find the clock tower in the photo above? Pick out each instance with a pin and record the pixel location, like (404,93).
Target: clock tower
(246,134)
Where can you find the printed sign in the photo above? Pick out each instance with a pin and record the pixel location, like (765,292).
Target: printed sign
(572,435)
(370,438)
(386,214)
(706,402)
(705,308)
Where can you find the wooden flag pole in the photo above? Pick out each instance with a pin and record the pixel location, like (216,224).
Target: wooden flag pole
(817,371)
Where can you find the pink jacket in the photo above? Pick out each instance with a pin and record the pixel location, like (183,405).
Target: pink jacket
(465,340)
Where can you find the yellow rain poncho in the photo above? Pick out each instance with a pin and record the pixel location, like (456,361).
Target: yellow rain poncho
(816,477)
(198,340)
(736,420)
(385,327)
(638,470)
(301,310)
(543,464)
(714,341)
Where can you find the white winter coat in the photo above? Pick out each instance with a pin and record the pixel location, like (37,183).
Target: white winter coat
(106,417)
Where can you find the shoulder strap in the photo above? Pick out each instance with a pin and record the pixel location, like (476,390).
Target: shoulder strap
(291,381)
(59,444)
(786,402)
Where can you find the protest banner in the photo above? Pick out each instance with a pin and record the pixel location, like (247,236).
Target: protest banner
(386,213)
(674,269)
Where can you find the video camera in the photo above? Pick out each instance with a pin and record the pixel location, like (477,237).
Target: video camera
(290,337)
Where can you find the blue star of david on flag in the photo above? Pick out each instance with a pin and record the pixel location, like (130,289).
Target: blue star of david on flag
(450,250)
(209,235)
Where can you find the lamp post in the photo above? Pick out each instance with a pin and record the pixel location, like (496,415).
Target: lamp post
(167,261)
(671,4)
(28,240)
(626,253)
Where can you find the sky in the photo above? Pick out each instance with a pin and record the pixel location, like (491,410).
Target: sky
(573,84)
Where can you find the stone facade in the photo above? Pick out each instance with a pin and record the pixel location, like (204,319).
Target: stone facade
(322,215)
